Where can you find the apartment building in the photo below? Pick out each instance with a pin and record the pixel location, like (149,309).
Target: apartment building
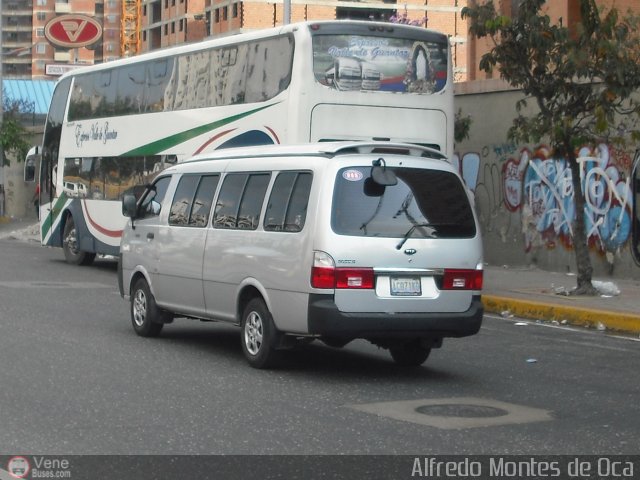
(28,54)
(132,26)
(565,11)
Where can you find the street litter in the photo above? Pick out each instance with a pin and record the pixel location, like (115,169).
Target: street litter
(506,314)
(532,360)
(521,324)
(606,289)
(601,326)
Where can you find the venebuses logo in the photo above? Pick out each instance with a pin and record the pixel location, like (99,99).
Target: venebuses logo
(73,31)
(18,467)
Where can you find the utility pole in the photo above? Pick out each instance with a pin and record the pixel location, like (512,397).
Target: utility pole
(286,13)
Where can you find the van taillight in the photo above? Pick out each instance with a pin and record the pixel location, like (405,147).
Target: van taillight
(458,279)
(354,278)
(325,275)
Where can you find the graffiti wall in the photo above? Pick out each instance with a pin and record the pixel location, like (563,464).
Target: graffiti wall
(525,199)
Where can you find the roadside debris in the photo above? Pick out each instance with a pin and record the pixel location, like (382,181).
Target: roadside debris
(606,289)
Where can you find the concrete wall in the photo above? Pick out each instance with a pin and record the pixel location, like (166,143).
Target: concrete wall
(523,194)
(18,193)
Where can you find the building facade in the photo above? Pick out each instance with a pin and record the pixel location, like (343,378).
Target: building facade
(565,11)
(134,26)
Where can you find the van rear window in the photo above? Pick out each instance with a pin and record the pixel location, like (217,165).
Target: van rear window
(430,203)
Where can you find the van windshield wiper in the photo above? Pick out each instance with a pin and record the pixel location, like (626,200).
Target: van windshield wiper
(418,225)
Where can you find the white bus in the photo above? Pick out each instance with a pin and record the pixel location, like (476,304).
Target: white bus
(112,127)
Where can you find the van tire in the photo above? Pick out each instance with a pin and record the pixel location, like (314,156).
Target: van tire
(410,354)
(145,314)
(259,335)
(71,247)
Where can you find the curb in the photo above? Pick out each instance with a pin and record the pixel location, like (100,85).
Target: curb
(621,321)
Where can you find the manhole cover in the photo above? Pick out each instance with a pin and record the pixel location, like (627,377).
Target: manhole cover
(456,412)
(462,411)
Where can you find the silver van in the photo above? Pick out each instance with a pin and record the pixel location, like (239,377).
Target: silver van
(328,241)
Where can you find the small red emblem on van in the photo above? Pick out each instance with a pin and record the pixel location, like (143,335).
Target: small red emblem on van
(73,31)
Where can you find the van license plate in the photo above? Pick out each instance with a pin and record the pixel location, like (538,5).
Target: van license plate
(405,286)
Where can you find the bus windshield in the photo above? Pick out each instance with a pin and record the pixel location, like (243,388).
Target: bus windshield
(380,63)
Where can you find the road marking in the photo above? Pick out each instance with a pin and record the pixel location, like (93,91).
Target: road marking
(53,284)
(456,413)
(577,329)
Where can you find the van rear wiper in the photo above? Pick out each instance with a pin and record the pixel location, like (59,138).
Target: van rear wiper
(418,225)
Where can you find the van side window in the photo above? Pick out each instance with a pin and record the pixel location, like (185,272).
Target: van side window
(192,200)
(152,201)
(240,201)
(182,199)
(287,208)
(202,203)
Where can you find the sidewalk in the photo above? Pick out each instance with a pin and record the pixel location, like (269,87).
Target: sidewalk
(532,293)
(519,291)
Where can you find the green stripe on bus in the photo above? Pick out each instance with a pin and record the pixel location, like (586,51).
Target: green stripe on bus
(55,211)
(158,146)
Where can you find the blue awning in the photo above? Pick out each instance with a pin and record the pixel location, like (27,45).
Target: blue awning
(38,92)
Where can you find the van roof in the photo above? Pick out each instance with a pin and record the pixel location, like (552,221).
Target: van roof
(326,149)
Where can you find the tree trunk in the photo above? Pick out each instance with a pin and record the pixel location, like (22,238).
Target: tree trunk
(580,245)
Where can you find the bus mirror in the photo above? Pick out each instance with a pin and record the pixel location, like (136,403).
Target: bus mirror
(30,164)
(129,205)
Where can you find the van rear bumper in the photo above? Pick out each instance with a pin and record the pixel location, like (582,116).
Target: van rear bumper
(325,319)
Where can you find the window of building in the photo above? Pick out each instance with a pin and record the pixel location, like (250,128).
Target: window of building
(234,10)
(173,27)
(173,3)
(166,29)
(112,4)
(111,18)
(166,3)
(41,16)
(39,32)
(41,2)
(41,64)
(225,11)
(217,15)
(41,48)
(144,10)
(181,24)
(515,7)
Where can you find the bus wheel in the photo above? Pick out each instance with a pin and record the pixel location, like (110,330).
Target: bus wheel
(145,314)
(259,335)
(71,246)
(410,354)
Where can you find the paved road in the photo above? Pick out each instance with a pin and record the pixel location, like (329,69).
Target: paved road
(76,380)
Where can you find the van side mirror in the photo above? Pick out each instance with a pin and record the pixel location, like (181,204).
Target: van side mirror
(129,205)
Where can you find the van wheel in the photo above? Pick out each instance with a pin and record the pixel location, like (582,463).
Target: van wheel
(410,354)
(145,314)
(71,246)
(259,335)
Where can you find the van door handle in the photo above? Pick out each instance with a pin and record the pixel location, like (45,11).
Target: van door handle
(150,236)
